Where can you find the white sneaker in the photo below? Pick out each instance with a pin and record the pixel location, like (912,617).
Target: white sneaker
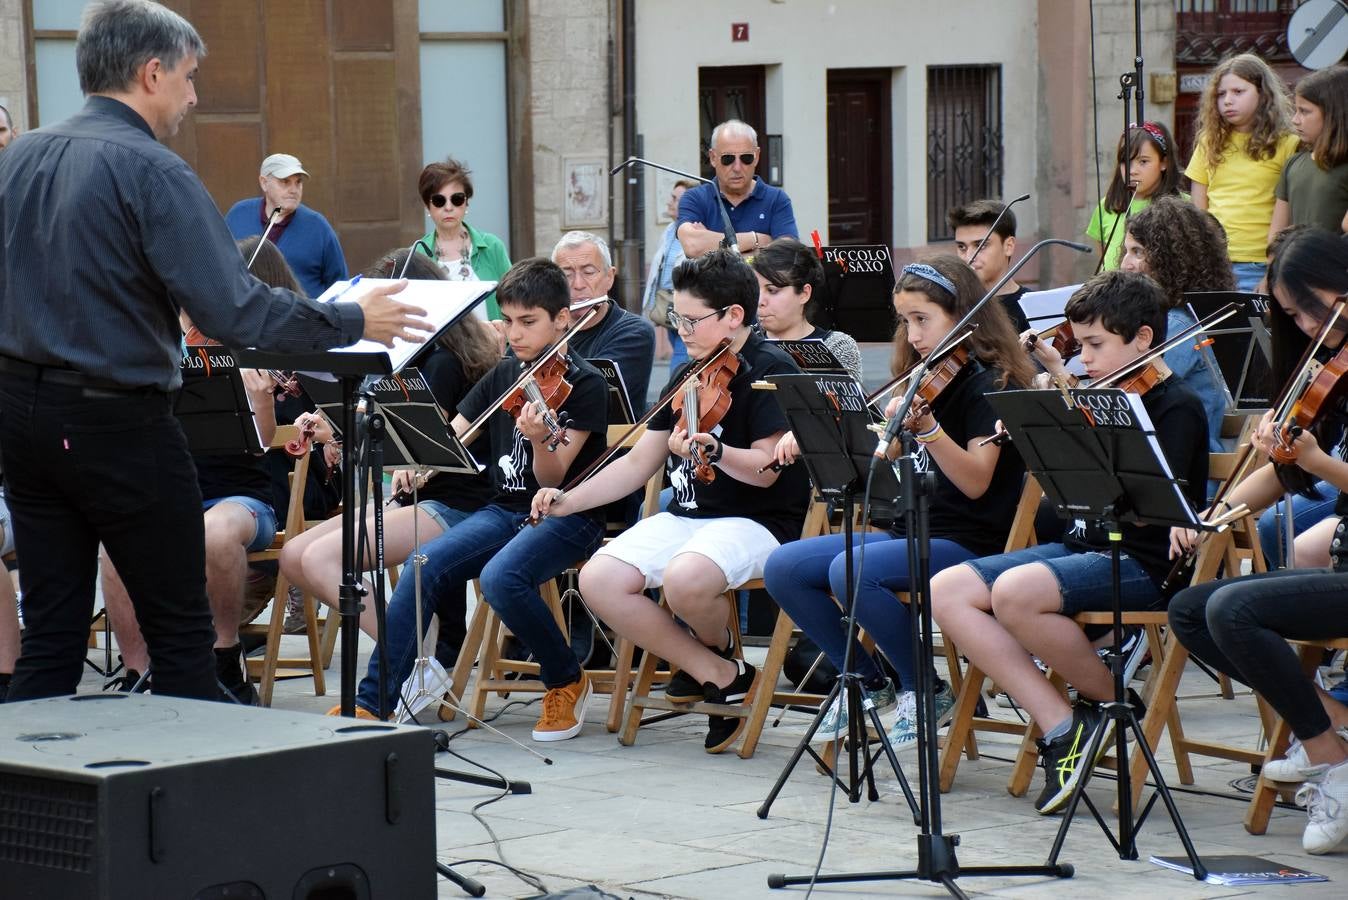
(1293,768)
(423,688)
(1325,796)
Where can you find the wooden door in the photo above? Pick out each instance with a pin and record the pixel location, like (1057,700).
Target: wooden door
(859,164)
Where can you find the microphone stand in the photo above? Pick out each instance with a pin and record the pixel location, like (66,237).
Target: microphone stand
(993,227)
(271,220)
(936,861)
(730,241)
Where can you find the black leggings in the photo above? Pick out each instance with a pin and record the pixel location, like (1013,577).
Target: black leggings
(1241,627)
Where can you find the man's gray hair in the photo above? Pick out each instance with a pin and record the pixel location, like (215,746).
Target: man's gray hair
(117,37)
(734,128)
(9,120)
(574,239)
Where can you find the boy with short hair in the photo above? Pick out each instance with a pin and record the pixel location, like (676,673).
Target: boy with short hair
(972,223)
(1001,609)
(510,560)
(717,534)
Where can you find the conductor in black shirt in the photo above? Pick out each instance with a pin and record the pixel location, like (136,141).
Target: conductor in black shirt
(107,234)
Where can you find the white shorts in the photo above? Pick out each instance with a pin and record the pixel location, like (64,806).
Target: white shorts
(738,546)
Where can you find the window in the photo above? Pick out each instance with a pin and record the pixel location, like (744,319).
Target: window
(964,140)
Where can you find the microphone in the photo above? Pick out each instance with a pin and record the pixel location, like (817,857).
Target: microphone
(995,222)
(271,220)
(413,249)
(895,424)
(730,241)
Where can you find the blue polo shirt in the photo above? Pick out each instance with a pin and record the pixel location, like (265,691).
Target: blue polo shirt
(766,210)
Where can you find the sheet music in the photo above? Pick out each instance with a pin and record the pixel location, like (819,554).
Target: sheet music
(1044,310)
(444,301)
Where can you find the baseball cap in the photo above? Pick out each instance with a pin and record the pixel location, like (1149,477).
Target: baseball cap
(282,165)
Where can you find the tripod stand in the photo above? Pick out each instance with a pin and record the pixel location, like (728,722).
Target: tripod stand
(1106,466)
(826,414)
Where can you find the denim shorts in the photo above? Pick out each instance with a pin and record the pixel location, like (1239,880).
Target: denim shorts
(444,515)
(1084,579)
(264,519)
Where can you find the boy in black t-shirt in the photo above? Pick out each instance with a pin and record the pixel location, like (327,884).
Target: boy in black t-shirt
(512,561)
(718,533)
(972,224)
(1001,609)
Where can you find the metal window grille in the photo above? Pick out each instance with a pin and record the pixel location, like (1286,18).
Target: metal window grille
(964,140)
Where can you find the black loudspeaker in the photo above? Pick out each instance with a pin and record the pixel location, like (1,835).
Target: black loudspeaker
(133,796)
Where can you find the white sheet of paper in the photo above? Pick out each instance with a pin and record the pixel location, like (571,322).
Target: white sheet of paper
(1044,309)
(444,301)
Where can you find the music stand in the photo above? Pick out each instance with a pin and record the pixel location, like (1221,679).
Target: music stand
(829,417)
(213,407)
(1240,346)
(812,355)
(1098,459)
(858,291)
(619,401)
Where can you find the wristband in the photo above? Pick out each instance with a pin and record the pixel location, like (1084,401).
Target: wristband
(715,455)
(930,436)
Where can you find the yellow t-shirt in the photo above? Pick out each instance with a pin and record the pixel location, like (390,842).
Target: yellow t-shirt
(1240,192)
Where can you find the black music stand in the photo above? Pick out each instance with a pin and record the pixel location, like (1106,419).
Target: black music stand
(1241,347)
(1098,459)
(829,417)
(213,407)
(858,291)
(620,410)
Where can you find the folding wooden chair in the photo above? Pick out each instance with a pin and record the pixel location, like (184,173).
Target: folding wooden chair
(272,665)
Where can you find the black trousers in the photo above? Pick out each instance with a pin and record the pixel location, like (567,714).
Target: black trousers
(84,467)
(1241,627)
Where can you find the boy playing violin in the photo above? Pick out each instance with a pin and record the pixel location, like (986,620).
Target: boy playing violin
(1001,609)
(721,528)
(512,562)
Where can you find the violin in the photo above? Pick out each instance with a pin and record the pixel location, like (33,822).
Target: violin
(300,445)
(703,403)
(937,379)
(1060,338)
(546,388)
(1315,389)
(287,385)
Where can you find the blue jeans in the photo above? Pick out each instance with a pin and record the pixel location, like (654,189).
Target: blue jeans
(1305,513)
(1085,580)
(805,576)
(511,562)
(1248,274)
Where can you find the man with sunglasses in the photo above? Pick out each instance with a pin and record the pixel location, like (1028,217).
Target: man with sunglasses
(302,235)
(758,211)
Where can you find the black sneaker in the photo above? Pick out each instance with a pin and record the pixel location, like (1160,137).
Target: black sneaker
(722,731)
(1063,758)
(683,688)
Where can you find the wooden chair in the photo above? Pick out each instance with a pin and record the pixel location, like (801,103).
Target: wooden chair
(968,683)
(272,665)
(765,694)
(1279,737)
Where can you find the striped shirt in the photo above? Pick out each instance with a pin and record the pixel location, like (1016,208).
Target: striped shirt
(107,234)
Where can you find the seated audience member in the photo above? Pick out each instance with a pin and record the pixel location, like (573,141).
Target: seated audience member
(491,543)
(720,528)
(1001,611)
(1183,250)
(313,560)
(1241,626)
(977,488)
(615,334)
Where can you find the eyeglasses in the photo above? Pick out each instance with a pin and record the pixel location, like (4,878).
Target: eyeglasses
(684,323)
(728,159)
(586,273)
(458,198)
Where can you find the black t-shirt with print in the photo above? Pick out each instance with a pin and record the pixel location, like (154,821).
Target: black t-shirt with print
(1011,302)
(753,415)
(449,385)
(1181,427)
(511,461)
(979,525)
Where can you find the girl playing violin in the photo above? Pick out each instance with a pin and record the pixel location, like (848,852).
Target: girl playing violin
(727,514)
(489,544)
(1001,609)
(1241,626)
(975,499)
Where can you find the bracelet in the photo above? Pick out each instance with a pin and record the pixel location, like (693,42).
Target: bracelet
(715,455)
(930,436)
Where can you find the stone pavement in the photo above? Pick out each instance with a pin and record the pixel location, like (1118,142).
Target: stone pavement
(665,819)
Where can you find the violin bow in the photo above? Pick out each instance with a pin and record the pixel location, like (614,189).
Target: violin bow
(1156,353)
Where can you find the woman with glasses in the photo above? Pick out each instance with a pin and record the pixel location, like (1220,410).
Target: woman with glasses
(465,253)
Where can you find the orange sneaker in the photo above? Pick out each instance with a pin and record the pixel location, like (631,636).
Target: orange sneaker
(564,711)
(361,713)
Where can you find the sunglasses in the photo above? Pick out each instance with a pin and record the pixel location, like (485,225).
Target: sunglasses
(728,159)
(458,198)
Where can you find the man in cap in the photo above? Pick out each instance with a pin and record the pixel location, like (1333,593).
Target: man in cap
(302,235)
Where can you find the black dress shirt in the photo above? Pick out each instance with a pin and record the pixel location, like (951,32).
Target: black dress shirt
(107,234)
